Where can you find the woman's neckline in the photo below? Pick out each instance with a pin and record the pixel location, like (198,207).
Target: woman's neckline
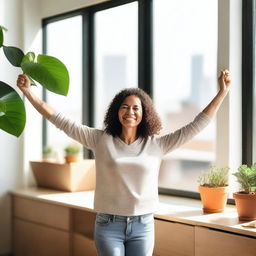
(138,140)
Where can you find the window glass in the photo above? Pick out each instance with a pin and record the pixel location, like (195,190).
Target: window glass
(185,63)
(116,54)
(64,41)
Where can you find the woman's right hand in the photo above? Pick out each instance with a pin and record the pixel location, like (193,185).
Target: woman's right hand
(23,82)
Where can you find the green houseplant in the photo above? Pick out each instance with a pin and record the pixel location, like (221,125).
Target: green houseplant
(46,70)
(245,199)
(213,188)
(48,153)
(71,152)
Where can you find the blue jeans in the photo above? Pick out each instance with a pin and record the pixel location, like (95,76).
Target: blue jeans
(116,235)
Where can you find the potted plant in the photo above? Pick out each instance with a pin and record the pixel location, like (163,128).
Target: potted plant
(213,189)
(48,154)
(71,153)
(246,198)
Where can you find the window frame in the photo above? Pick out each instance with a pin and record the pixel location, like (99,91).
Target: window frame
(88,52)
(145,67)
(248,78)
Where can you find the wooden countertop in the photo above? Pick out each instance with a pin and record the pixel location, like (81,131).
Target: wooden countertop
(174,209)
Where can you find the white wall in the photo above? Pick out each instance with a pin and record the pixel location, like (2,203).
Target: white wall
(23,19)
(10,146)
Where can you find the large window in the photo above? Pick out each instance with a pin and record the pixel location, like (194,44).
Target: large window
(116,54)
(185,63)
(64,41)
(168,48)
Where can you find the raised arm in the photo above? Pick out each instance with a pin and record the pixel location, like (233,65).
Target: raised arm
(224,84)
(174,140)
(42,107)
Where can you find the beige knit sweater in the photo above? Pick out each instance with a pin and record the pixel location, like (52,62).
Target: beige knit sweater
(127,175)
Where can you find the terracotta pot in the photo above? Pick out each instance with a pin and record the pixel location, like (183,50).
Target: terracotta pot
(71,158)
(213,199)
(245,205)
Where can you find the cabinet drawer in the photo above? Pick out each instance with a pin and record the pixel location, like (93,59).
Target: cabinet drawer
(43,213)
(83,246)
(173,239)
(211,243)
(32,239)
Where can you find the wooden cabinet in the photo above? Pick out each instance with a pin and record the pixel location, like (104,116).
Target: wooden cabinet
(83,222)
(173,239)
(42,213)
(83,229)
(33,239)
(63,224)
(47,229)
(211,243)
(83,246)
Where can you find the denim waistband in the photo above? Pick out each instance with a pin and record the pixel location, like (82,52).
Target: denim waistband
(114,217)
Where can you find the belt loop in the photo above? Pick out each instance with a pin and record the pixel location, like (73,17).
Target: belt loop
(114,218)
(140,218)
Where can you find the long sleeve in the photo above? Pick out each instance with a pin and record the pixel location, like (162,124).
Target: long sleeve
(87,136)
(174,140)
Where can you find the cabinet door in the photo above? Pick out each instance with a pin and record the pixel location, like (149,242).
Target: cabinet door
(83,245)
(211,243)
(36,240)
(40,212)
(173,239)
(83,222)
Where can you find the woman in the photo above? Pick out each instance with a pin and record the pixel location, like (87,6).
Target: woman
(127,156)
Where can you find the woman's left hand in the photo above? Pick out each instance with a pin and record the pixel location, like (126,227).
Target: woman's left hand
(224,81)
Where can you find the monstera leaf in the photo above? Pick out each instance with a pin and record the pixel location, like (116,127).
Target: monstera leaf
(14,55)
(48,71)
(12,110)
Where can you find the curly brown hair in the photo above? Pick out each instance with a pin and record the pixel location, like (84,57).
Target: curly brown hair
(150,123)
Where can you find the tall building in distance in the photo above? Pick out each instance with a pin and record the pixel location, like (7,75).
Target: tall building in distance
(201,87)
(196,79)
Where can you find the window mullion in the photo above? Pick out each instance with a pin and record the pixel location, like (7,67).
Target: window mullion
(145,46)
(247,79)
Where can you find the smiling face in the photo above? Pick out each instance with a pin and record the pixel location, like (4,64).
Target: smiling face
(130,112)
